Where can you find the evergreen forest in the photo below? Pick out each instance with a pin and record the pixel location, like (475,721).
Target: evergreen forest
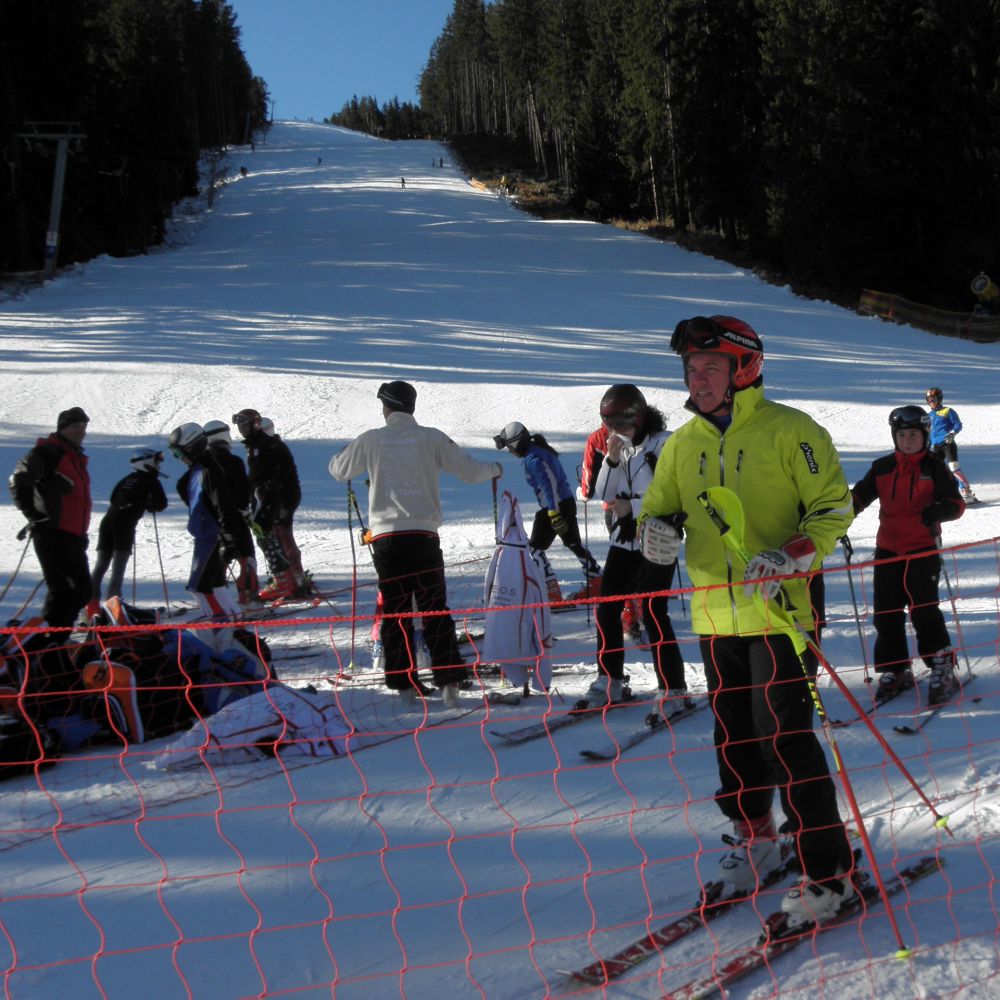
(841,143)
(143,88)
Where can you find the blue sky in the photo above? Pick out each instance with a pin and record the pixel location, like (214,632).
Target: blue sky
(315,54)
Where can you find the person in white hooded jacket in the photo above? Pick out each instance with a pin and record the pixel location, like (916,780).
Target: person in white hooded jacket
(403,462)
(636,434)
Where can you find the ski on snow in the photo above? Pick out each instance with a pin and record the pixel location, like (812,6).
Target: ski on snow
(712,905)
(928,714)
(777,938)
(579,713)
(654,723)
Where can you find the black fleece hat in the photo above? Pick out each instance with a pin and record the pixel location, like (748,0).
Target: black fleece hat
(398,396)
(74,415)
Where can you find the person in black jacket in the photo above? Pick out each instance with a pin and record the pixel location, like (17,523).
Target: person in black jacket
(220,448)
(51,486)
(274,481)
(213,520)
(136,493)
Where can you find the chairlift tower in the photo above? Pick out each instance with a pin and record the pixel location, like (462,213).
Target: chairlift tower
(63,134)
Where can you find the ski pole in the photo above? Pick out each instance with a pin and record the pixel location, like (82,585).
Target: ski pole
(159,555)
(17,568)
(954,607)
(786,625)
(848,553)
(354,572)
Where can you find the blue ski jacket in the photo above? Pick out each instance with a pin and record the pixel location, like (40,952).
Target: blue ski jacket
(944,421)
(546,476)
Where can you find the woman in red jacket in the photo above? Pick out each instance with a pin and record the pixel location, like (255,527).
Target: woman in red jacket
(916,492)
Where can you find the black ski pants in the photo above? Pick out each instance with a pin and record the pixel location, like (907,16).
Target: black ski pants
(909,583)
(627,572)
(764,739)
(543,535)
(410,569)
(63,558)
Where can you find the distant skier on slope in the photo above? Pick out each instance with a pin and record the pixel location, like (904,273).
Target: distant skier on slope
(944,426)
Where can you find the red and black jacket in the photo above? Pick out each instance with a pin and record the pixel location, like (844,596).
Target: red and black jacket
(51,485)
(915,494)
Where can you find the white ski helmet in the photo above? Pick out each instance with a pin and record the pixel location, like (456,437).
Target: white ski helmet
(187,440)
(147,460)
(217,431)
(514,437)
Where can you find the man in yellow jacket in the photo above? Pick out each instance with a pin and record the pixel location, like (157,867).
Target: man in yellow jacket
(797,504)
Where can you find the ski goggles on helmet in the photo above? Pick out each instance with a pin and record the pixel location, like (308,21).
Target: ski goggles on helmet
(178,453)
(698,333)
(245,417)
(909,417)
(621,420)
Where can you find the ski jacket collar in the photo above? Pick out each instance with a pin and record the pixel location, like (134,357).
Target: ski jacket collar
(744,403)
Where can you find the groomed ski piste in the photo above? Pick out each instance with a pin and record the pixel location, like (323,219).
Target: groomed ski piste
(436,861)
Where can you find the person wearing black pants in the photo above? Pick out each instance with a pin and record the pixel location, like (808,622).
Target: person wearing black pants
(410,568)
(51,486)
(636,435)
(772,745)
(404,461)
(626,572)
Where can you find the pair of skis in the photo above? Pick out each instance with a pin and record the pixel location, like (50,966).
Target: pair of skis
(579,713)
(654,723)
(776,939)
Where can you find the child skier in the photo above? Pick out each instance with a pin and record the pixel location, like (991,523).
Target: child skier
(557,505)
(944,426)
(133,495)
(916,493)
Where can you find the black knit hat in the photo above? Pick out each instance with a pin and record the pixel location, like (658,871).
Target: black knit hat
(398,396)
(74,415)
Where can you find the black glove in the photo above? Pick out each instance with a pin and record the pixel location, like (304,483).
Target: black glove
(35,524)
(627,528)
(949,438)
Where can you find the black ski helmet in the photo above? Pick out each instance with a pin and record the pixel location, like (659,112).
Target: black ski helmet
(935,393)
(514,437)
(187,441)
(910,418)
(623,406)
